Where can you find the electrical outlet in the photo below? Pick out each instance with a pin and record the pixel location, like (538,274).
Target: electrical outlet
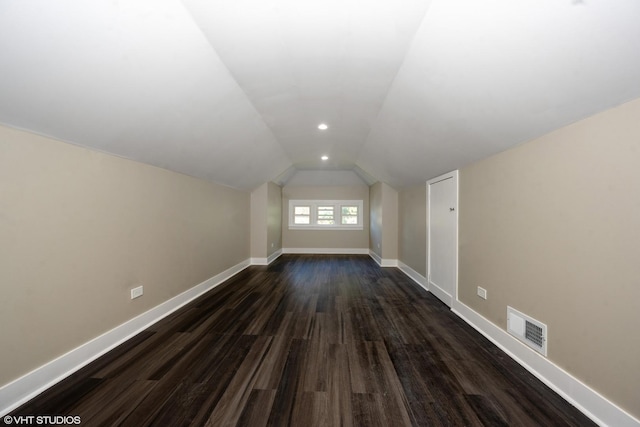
(136,292)
(482,292)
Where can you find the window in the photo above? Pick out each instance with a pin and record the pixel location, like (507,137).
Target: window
(325,214)
(302,215)
(349,215)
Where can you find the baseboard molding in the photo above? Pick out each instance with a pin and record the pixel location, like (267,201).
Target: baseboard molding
(35,382)
(414,275)
(375,257)
(274,256)
(382,262)
(266,261)
(333,251)
(601,410)
(388,262)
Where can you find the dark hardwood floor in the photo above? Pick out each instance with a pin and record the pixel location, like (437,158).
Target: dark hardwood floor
(309,340)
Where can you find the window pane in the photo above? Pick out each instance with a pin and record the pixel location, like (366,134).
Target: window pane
(325,215)
(328,210)
(302,210)
(349,210)
(349,220)
(302,215)
(349,215)
(326,221)
(301,220)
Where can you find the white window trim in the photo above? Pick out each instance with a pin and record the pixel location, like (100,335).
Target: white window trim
(337,204)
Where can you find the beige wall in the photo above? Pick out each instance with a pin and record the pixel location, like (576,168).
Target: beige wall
(339,239)
(389,222)
(552,228)
(383,233)
(274,218)
(79,229)
(375,216)
(412,228)
(259,214)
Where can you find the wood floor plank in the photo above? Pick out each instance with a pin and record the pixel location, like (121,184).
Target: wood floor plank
(315,374)
(368,411)
(339,387)
(229,408)
(324,340)
(311,409)
(287,395)
(256,410)
(270,371)
(122,400)
(415,389)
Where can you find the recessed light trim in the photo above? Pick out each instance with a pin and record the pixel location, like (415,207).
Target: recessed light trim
(325,158)
(323,126)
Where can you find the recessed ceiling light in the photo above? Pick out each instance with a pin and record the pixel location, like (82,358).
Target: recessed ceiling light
(325,158)
(323,126)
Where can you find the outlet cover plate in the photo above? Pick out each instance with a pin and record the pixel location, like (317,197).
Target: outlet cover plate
(482,292)
(136,292)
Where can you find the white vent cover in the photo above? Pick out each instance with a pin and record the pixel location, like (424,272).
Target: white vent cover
(528,330)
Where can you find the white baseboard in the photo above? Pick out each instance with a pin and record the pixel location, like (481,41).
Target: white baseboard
(382,262)
(333,251)
(35,382)
(414,275)
(601,410)
(375,257)
(274,256)
(266,261)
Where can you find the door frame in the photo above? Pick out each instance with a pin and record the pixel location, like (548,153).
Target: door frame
(454,297)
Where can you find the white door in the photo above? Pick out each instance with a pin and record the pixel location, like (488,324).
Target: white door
(442,232)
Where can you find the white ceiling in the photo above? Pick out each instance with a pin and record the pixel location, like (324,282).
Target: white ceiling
(233,91)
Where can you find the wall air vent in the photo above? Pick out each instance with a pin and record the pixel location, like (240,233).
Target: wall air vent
(528,330)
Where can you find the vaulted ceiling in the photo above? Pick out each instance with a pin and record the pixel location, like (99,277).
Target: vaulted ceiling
(233,91)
